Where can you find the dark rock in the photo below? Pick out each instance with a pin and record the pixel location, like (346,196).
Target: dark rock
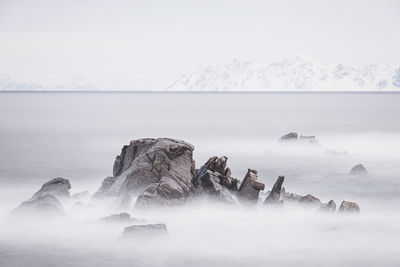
(275,194)
(159,170)
(289,137)
(249,190)
(330,206)
(310,200)
(145,231)
(359,169)
(348,206)
(57,187)
(211,185)
(39,206)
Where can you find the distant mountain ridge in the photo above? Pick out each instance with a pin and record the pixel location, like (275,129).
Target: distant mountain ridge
(294,74)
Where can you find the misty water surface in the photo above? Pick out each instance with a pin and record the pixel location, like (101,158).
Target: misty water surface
(78,135)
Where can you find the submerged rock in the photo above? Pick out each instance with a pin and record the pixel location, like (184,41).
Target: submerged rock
(57,187)
(308,139)
(358,169)
(39,206)
(250,188)
(159,170)
(116,218)
(275,194)
(145,231)
(330,206)
(293,136)
(310,200)
(348,206)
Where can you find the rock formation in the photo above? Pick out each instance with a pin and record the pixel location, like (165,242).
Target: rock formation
(359,170)
(275,194)
(214,180)
(330,206)
(144,231)
(39,206)
(293,136)
(44,201)
(289,137)
(81,196)
(250,188)
(57,187)
(348,206)
(290,197)
(159,170)
(310,200)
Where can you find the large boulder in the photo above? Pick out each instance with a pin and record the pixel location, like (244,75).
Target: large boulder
(159,171)
(275,194)
(358,170)
(57,187)
(250,188)
(350,207)
(46,205)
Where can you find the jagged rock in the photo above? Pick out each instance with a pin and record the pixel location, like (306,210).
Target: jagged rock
(275,194)
(145,231)
(39,206)
(159,170)
(330,206)
(84,195)
(289,137)
(359,169)
(250,188)
(290,197)
(214,180)
(348,206)
(57,187)
(310,200)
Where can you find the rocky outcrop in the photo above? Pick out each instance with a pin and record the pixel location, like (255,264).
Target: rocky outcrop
(57,187)
(310,200)
(293,136)
(289,137)
(46,205)
(289,197)
(213,180)
(358,170)
(330,206)
(250,188)
(350,207)
(116,218)
(275,194)
(159,171)
(145,231)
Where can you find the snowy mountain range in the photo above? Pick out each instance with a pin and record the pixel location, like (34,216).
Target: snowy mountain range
(294,74)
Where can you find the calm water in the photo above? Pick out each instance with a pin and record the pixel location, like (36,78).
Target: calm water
(78,135)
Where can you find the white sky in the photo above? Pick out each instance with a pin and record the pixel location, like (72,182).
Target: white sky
(157,41)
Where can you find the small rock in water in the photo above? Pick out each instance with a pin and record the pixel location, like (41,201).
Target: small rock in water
(275,194)
(359,169)
(330,206)
(289,137)
(310,200)
(350,207)
(145,230)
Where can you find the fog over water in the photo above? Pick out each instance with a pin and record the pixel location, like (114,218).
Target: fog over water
(78,135)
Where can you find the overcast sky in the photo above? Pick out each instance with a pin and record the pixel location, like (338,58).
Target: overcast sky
(157,41)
